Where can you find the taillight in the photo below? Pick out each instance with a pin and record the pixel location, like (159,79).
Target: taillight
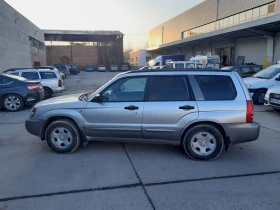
(59,83)
(33,86)
(249,114)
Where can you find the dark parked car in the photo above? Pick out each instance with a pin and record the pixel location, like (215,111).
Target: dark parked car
(246,70)
(73,69)
(17,92)
(89,67)
(62,68)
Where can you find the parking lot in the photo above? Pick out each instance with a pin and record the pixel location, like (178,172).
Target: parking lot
(135,176)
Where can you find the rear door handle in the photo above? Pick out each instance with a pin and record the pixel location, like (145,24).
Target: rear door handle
(132,107)
(186,107)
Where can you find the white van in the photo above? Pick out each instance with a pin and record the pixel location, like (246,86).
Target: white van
(209,61)
(185,65)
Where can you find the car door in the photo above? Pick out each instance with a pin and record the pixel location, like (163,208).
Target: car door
(169,107)
(119,114)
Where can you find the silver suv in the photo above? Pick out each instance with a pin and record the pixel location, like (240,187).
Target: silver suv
(50,80)
(203,111)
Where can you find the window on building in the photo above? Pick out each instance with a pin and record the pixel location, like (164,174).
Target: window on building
(168,89)
(242,17)
(230,20)
(226,20)
(263,10)
(213,25)
(221,23)
(249,15)
(256,13)
(236,19)
(211,86)
(148,58)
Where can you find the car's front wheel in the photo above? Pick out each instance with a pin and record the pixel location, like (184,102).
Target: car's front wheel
(258,97)
(63,136)
(13,103)
(203,142)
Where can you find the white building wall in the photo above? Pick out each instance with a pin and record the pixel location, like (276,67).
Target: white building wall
(138,58)
(15,50)
(254,50)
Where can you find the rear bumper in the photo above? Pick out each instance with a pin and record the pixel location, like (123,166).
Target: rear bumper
(242,132)
(58,90)
(34,126)
(34,97)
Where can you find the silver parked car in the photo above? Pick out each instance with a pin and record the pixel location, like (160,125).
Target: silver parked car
(101,68)
(114,68)
(204,111)
(50,79)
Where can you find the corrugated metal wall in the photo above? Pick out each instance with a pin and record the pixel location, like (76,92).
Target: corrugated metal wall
(276,49)
(231,7)
(253,49)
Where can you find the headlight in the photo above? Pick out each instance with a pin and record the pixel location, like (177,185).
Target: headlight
(248,86)
(32,113)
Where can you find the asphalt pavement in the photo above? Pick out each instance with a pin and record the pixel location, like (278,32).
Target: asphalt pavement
(135,176)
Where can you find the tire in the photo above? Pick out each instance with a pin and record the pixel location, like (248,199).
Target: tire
(12,103)
(203,142)
(257,97)
(63,136)
(48,93)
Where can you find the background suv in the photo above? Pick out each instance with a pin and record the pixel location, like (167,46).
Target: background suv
(50,80)
(179,107)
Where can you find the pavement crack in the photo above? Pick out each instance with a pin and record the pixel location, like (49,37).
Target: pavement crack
(138,177)
(270,129)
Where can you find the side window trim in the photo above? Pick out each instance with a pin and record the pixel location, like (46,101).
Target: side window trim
(198,95)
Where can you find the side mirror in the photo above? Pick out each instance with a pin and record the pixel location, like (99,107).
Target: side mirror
(98,98)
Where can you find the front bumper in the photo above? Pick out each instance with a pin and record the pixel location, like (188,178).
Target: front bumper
(242,132)
(34,126)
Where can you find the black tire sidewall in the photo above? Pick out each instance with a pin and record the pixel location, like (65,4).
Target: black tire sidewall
(48,90)
(256,95)
(200,128)
(74,132)
(15,95)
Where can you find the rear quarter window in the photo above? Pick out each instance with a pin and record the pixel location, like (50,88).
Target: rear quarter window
(47,75)
(216,87)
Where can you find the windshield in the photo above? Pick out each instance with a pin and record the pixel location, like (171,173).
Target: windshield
(267,73)
(86,96)
(90,66)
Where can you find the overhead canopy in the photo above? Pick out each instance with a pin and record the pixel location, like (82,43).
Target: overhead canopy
(268,26)
(82,36)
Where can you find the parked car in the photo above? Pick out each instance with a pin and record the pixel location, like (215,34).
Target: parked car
(179,107)
(245,70)
(114,68)
(260,82)
(73,69)
(101,68)
(125,68)
(50,80)
(89,67)
(272,97)
(62,68)
(62,75)
(17,92)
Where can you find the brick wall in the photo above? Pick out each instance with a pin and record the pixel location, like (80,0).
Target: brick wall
(82,55)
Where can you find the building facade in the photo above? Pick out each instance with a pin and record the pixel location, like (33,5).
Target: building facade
(22,43)
(243,30)
(139,58)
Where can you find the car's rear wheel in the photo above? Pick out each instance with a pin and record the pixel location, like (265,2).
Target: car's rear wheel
(63,136)
(13,103)
(258,97)
(203,142)
(48,93)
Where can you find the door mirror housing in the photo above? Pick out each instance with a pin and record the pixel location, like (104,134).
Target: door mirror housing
(98,98)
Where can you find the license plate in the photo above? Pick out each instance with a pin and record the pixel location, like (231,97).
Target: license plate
(275,101)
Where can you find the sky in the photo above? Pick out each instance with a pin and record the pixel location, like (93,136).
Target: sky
(134,18)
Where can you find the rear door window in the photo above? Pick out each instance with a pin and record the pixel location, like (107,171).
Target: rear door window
(15,73)
(216,87)
(47,75)
(169,88)
(30,75)
(256,69)
(246,70)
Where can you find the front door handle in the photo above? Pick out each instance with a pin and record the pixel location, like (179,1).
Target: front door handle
(186,107)
(132,107)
